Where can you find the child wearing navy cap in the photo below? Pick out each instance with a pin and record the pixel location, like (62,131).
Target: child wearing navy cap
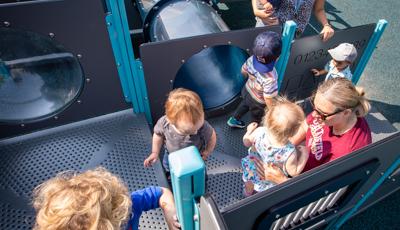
(262,84)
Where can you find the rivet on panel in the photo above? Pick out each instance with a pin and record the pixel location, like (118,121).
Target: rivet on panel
(229,42)
(79,55)
(7,24)
(51,35)
(183,60)
(87,80)
(79,101)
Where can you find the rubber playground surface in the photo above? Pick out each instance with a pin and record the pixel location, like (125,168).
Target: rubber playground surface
(380,78)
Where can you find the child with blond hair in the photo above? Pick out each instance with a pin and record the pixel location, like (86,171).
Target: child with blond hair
(182,125)
(270,144)
(97,199)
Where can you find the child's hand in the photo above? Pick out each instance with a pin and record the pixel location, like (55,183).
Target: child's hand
(150,160)
(204,155)
(315,72)
(252,126)
(268,8)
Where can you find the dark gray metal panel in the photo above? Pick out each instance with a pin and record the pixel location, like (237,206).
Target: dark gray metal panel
(375,159)
(80,27)
(119,142)
(311,52)
(162,60)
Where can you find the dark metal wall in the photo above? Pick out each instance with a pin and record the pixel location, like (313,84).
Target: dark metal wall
(80,27)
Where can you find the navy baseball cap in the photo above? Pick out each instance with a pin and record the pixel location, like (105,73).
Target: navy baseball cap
(267,48)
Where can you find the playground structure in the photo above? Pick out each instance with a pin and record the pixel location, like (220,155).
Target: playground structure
(96,127)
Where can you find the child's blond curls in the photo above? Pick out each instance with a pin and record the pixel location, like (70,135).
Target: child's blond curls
(283,119)
(95,199)
(183,103)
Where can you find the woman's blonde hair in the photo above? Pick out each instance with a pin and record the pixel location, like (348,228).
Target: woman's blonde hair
(283,119)
(344,95)
(183,103)
(95,199)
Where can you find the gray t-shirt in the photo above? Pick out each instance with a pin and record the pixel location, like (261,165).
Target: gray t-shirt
(175,141)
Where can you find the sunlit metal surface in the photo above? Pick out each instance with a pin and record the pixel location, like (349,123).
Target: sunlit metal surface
(181,19)
(214,74)
(38,77)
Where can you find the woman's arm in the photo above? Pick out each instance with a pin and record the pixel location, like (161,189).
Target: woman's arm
(319,12)
(269,172)
(300,136)
(296,162)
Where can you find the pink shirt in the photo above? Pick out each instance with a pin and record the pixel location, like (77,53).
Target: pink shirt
(324,146)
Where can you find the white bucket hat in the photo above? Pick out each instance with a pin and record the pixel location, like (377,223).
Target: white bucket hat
(344,52)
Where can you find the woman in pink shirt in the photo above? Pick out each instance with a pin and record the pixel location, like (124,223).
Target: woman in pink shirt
(334,129)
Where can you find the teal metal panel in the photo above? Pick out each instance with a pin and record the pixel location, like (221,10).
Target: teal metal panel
(134,68)
(142,85)
(125,60)
(188,182)
(287,38)
(117,55)
(379,29)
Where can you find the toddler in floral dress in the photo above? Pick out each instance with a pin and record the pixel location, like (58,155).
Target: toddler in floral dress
(270,144)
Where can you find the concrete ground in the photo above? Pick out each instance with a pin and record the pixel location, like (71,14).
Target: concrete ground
(380,78)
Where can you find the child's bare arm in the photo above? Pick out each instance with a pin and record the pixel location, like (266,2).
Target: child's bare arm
(210,146)
(318,73)
(296,162)
(248,138)
(157,143)
(167,204)
(244,70)
(269,101)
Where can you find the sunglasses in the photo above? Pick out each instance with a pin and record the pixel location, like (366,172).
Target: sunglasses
(324,115)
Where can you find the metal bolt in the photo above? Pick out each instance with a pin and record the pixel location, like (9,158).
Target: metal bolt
(51,35)
(362,195)
(156,8)
(393,179)
(183,60)
(367,172)
(55,118)
(6,24)
(22,125)
(158,16)
(326,192)
(247,50)
(79,101)
(196,217)
(118,64)
(87,80)
(229,42)
(335,211)
(146,25)
(79,55)
(109,24)
(204,46)
(382,173)
(140,67)
(126,96)
(146,98)
(171,81)
(277,216)
(155,37)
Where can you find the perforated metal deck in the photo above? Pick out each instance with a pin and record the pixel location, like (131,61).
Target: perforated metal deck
(118,141)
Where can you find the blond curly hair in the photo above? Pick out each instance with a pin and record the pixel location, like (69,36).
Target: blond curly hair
(95,199)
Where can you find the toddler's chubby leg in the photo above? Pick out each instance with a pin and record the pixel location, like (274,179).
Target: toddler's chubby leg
(248,188)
